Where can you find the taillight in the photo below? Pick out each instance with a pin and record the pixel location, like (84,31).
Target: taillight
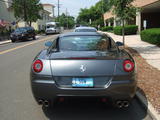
(37,66)
(128,65)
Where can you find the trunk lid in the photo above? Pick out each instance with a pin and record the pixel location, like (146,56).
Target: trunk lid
(80,64)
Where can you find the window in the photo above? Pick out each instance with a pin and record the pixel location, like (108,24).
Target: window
(84,43)
(85,30)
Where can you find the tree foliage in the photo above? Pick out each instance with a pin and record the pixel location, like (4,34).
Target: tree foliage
(95,13)
(66,21)
(124,10)
(27,10)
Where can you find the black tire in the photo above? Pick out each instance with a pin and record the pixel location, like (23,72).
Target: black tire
(13,41)
(34,37)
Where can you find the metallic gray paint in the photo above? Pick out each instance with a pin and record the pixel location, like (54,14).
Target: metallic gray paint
(53,80)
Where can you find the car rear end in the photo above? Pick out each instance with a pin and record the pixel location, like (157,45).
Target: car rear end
(50,30)
(83,74)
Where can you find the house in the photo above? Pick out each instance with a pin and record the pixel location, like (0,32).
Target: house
(40,23)
(148,17)
(49,8)
(7,15)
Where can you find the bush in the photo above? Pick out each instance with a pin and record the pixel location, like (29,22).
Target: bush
(129,30)
(107,28)
(151,35)
(39,31)
(4,32)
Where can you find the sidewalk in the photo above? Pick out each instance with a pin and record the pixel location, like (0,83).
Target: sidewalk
(4,42)
(148,64)
(149,52)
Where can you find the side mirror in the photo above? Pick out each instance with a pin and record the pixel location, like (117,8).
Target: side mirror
(48,44)
(119,44)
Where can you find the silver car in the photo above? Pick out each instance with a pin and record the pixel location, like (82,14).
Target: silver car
(86,64)
(85,29)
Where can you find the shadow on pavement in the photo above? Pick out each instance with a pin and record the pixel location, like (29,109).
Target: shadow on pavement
(94,110)
(26,40)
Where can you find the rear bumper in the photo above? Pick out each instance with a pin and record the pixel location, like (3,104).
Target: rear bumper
(51,32)
(48,90)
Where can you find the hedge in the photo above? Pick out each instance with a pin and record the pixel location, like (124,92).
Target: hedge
(129,30)
(39,31)
(151,35)
(107,28)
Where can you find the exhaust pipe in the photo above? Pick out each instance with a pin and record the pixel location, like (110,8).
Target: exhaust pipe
(40,102)
(125,104)
(119,104)
(46,103)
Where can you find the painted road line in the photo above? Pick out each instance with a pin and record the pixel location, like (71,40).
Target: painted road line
(22,46)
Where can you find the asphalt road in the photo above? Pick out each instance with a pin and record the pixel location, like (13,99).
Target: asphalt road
(17,102)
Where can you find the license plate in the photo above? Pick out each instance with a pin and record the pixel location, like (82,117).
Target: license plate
(82,82)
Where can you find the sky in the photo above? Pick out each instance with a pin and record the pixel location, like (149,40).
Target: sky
(72,6)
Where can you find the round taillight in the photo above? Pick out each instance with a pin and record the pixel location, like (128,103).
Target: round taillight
(128,65)
(37,66)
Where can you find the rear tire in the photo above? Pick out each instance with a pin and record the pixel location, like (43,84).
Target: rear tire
(13,41)
(34,37)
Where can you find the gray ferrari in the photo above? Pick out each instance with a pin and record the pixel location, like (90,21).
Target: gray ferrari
(83,64)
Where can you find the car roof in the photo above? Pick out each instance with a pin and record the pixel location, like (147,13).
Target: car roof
(85,28)
(81,34)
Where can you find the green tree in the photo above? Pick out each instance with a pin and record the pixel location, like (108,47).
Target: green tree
(124,10)
(27,10)
(66,21)
(95,13)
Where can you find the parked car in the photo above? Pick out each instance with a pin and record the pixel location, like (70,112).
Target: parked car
(52,28)
(83,64)
(85,29)
(23,33)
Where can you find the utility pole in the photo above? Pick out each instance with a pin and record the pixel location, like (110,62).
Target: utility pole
(58,10)
(67,17)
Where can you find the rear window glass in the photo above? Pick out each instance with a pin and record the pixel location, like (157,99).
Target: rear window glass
(84,43)
(85,30)
(21,30)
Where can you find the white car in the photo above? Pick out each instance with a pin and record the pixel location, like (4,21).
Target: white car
(85,29)
(52,28)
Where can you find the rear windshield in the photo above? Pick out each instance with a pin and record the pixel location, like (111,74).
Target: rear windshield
(21,30)
(85,30)
(50,26)
(84,43)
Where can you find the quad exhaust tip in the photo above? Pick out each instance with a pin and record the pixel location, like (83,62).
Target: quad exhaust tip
(40,102)
(125,104)
(43,102)
(122,104)
(46,103)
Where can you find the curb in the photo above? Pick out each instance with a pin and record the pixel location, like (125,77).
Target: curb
(150,109)
(5,42)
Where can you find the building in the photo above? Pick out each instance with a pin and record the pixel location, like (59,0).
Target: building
(47,15)
(7,14)
(148,17)
(49,8)
(40,23)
